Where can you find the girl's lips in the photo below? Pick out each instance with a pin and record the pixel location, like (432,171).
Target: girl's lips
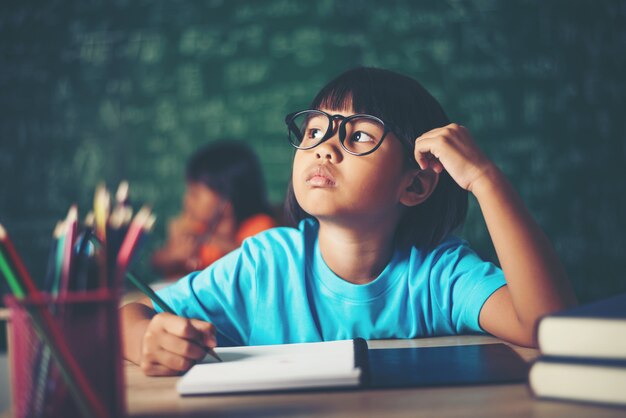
(319,181)
(320,176)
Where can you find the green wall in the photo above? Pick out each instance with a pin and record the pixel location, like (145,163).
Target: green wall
(110,90)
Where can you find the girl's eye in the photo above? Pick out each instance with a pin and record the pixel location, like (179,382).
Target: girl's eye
(361,136)
(314,133)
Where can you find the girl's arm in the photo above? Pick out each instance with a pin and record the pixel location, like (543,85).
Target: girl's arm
(536,281)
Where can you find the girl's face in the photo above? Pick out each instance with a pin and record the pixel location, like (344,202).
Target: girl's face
(330,183)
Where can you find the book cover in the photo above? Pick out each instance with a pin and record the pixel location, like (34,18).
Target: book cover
(583,380)
(477,364)
(595,330)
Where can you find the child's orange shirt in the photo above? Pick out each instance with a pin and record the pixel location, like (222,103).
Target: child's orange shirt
(209,253)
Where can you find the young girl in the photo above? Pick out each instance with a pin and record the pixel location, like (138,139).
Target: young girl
(225,202)
(380,180)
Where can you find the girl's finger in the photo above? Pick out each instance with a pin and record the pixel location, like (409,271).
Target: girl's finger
(434,163)
(181,327)
(423,152)
(422,160)
(437,166)
(207,330)
(426,143)
(173,361)
(185,348)
(155,369)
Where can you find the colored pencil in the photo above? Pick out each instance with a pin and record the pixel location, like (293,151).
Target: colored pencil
(135,231)
(71,225)
(118,224)
(121,196)
(55,289)
(51,268)
(42,356)
(84,257)
(15,287)
(58,270)
(101,209)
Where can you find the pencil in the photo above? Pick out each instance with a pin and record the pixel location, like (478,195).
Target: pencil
(56,283)
(101,209)
(49,278)
(71,224)
(121,196)
(83,259)
(146,290)
(127,248)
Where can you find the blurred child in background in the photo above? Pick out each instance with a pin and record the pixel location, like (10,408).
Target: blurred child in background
(225,202)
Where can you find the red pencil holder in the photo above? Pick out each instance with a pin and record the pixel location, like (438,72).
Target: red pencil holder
(89,326)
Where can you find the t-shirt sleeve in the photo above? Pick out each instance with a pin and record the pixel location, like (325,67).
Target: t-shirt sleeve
(464,282)
(224,294)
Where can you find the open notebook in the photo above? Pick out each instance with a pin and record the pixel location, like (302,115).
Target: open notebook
(279,367)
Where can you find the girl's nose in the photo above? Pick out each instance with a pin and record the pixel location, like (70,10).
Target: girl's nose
(329,149)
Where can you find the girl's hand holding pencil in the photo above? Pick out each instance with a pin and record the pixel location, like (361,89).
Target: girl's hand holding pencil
(143,287)
(172,344)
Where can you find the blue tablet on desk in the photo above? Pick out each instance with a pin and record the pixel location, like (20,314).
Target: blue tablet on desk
(445,366)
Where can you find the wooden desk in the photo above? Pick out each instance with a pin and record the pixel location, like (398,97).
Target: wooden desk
(157,397)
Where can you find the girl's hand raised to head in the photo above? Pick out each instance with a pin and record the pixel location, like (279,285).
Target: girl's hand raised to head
(453,149)
(172,344)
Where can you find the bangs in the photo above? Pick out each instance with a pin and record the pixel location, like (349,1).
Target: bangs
(349,94)
(338,99)
(394,98)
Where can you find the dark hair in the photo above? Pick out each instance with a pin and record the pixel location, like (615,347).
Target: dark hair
(231,169)
(403,102)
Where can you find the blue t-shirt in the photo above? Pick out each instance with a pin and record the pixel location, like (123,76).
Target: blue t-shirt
(277,289)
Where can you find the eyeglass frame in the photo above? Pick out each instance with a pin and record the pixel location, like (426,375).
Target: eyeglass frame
(387,127)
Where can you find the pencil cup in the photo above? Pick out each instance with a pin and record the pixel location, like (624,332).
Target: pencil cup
(89,328)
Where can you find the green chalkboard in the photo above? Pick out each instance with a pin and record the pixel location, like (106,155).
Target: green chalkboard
(126,89)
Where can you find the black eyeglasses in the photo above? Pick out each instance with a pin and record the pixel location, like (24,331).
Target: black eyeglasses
(359,134)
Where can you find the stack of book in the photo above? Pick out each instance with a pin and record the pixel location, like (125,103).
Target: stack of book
(583,354)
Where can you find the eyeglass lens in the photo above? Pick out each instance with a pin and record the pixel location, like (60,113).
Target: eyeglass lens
(359,135)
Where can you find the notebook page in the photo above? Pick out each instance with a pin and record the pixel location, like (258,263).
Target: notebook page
(288,366)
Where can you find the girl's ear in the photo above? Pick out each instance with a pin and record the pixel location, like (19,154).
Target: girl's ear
(422,183)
